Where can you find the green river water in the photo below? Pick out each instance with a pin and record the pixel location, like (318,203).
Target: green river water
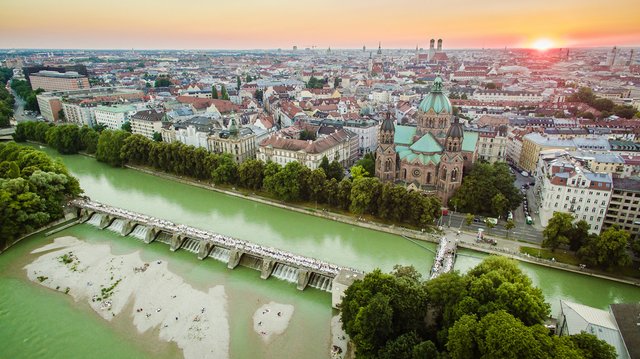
(37,322)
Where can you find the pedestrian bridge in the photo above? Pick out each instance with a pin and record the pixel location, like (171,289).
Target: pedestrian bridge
(445,257)
(304,271)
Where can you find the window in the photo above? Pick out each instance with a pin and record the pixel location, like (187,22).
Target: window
(601,211)
(596,227)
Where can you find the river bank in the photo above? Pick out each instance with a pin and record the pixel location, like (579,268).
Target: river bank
(156,298)
(505,247)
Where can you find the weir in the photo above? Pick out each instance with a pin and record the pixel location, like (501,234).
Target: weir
(445,257)
(301,270)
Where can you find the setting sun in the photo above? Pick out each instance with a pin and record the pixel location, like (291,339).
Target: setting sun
(542,44)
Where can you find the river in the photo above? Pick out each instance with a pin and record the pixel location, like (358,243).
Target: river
(53,324)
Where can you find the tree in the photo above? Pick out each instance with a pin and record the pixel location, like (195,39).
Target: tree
(307,136)
(162,81)
(250,174)
(316,185)
(336,82)
(344,193)
(223,93)
(509,226)
(490,86)
(358,172)
(64,138)
(226,171)
(33,189)
(285,184)
(335,170)
(499,204)
(624,111)
(61,115)
(607,250)
(88,140)
(468,218)
(126,126)
(109,147)
(364,195)
(558,230)
(248,78)
(593,348)
(214,92)
(578,234)
(238,83)
(483,183)
(584,95)
(157,137)
(368,162)
(259,95)
(315,83)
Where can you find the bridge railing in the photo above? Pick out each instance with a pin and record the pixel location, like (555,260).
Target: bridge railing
(279,255)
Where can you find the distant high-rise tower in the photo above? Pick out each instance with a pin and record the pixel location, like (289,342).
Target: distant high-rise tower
(439,45)
(379,48)
(611,57)
(432,50)
(295,47)
(631,57)
(364,48)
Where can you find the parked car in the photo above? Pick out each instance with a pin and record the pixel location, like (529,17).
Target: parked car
(529,220)
(491,220)
(524,174)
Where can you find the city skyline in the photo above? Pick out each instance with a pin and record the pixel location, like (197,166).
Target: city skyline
(251,24)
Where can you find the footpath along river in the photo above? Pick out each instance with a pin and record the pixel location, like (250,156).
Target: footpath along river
(38,321)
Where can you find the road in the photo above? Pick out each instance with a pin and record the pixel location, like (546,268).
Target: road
(18,111)
(521,232)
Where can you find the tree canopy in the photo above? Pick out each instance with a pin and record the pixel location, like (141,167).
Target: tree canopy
(488,189)
(493,311)
(33,189)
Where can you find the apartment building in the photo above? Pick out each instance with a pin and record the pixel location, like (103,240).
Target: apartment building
(58,81)
(624,207)
(564,185)
(282,150)
(146,123)
(113,117)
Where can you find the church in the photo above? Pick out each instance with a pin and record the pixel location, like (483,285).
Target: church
(431,155)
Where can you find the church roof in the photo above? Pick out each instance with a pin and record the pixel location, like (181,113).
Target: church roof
(455,130)
(469,141)
(406,154)
(426,144)
(436,100)
(404,135)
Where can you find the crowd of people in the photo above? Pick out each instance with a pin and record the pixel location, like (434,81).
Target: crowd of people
(444,260)
(224,241)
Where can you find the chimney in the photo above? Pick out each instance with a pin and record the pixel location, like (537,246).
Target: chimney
(432,43)
(439,45)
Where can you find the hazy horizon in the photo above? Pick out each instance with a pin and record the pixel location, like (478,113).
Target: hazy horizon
(255,24)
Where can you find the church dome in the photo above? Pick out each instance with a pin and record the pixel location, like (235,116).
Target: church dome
(436,100)
(455,130)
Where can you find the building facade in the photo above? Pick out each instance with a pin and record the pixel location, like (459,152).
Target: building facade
(563,185)
(624,207)
(58,81)
(431,155)
(113,117)
(335,146)
(146,123)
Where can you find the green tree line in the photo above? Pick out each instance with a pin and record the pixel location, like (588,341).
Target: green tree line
(607,250)
(22,88)
(66,139)
(33,190)
(604,105)
(492,311)
(6,99)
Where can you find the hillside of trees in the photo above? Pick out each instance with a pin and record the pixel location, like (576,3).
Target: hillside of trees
(492,311)
(605,106)
(33,189)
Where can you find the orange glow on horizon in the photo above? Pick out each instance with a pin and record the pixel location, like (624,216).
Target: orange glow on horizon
(543,44)
(254,24)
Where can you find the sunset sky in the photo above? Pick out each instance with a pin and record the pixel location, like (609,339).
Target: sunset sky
(249,24)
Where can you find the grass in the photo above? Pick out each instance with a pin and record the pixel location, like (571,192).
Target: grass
(561,256)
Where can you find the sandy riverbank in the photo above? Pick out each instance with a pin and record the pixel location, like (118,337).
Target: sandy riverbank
(196,321)
(272,319)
